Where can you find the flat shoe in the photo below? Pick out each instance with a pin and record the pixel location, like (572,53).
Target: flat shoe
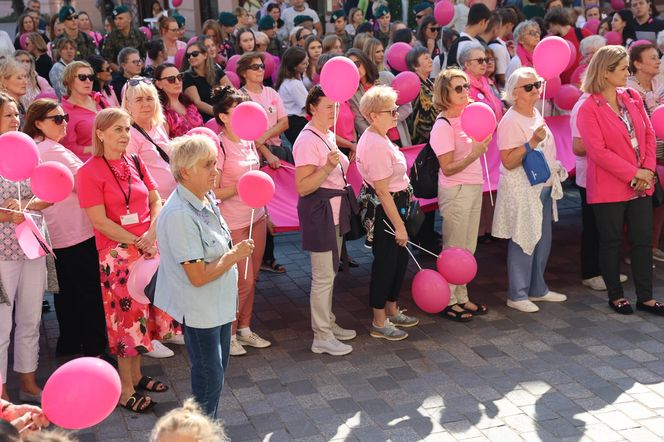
(456,316)
(482,309)
(622,307)
(148,383)
(136,403)
(657,309)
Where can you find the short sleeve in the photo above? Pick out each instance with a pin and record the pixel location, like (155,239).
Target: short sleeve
(90,191)
(187,80)
(148,180)
(307,152)
(510,135)
(187,245)
(68,159)
(442,137)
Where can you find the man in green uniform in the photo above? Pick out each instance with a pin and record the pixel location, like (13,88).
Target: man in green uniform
(268,26)
(85,46)
(338,19)
(124,35)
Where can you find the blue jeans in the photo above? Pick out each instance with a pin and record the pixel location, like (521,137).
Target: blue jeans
(208,349)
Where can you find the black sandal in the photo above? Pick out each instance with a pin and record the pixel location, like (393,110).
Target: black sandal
(482,309)
(657,308)
(136,403)
(453,315)
(622,307)
(156,387)
(273,267)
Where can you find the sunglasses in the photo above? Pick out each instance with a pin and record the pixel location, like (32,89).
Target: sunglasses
(137,80)
(419,17)
(357,63)
(172,78)
(481,60)
(458,89)
(434,29)
(529,87)
(393,112)
(72,17)
(256,67)
(192,54)
(58,119)
(84,77)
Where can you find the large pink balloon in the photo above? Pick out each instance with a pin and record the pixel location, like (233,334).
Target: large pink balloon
(231,64)
(179,58)
(234,79)
(146,31)
(577,75)
(213,125)
(567,97)
(552,87)
(51,181)
(572,54)
(208,132)
(268,61)
(550,57)
(339,79)
(639,43)
(81,393)
(478,121)
(617,5)
(140,274)
(407,85)
(430,291)
(396,56)
(592,25)
(255,188)
(176,3)
(657,120)
(18,156)
(613,38)
(457,265)
(249,120)
(23,40)
(443,12)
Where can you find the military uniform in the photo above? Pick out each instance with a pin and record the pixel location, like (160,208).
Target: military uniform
(346,40)
(384,37)
(85,45)
(115,42)
(275,48)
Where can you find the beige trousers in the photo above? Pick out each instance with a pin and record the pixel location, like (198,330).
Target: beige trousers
(323,272)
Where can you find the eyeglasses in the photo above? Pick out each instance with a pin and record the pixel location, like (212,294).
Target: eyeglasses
(533,33)
(481,60)
(138,62)
(174,29)
(393,112)
(256,67)
(84,77)
(434,29)
(192,54)
(58,119)
(172,78)
(72,17)
(529,87)
(137,80)
(458,89)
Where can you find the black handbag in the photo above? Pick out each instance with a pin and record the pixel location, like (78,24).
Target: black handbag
(151,288)
(414,219)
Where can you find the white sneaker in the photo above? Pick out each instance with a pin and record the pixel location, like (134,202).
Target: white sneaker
(342,334)
(176,339)
(331,346)
(523,306)
(658,255)
(549,297)
(253,340)
(595,283)
(236,348)
(159,351)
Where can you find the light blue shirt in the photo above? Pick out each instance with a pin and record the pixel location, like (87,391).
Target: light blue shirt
(187,230)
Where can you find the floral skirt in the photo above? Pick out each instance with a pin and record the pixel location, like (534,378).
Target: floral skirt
(131,326)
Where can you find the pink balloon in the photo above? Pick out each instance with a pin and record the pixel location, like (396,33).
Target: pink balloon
(208,132)
(567,97)
(572,54)
(179,58)
(51,181)
(396,56)
(407,85)
(478,121)
(176,3)
(443,12)
(552,87)
(140,274)
(193,39)
(234,79)
(23,40)
(550,57)
(339,79)
(18,156)
(231,64)
(613,38)
(657,120)
(146,31)
(50,94)
(457,265)
(639,43)
(213,126)
(255,188)
(249,120)
(617,5)
(430,291)
(31,240)
(592,25)
(268,60)
(81,393)
(577,75)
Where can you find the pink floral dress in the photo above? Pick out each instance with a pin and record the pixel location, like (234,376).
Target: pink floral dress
(178,124)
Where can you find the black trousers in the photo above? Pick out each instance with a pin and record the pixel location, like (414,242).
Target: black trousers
(390,261)
(589,240)
(610,218)
(78,305)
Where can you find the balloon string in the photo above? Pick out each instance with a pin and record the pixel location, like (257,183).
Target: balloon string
(18,183)
(391,232)
(543,98)
(18,211)
(336,111)
(29,202)
(251,226)
(488,180)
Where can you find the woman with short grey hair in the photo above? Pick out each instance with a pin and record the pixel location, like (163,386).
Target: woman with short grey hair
(526,35)
(197,281)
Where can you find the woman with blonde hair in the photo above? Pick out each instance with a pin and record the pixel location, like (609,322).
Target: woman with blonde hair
(36,46)
(375,51)
(188,422)
(36,83)
(14,82)
(313,46)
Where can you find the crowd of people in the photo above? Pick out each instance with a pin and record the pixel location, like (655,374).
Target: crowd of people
(115,109)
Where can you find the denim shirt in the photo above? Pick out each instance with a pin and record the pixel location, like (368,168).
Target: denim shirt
(189,230)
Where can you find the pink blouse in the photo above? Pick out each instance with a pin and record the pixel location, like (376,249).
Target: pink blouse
(79,128)
(178,124)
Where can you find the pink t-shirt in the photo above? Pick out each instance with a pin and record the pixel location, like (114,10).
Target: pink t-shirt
(79,128)
(67,223)
(310,150)
(237,159)
(346,122)
(450,137)
(378,158)
(271,102)
(96,185)
(159,169)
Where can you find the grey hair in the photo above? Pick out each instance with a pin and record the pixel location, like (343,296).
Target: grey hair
(591,44)
(517,75)
(412,56)
(522,27)
(660,40)
(124,54)
(188,150)
(464,54)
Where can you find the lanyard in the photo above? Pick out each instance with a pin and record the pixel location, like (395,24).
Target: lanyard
(127,196)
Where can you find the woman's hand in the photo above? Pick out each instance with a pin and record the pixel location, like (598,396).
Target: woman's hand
(243,249)
(480,148)
(538,136)
(272,159)
(22,416)
(151,252)
(333,158)
(644,175)
(146,240)
(401,235)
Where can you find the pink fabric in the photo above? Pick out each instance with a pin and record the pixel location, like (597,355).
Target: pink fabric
(378,159)
(67,223)
(96,186)
(581,162)
(96,37)
(179,125)
(450,137)
(79,128)
(271,102)
(480,90)
(43,84)
(159,169)
(310,150)
(237,159)
(111,98)
(562,134)
(525,56)
(346,122)
(611,160)
(283,206)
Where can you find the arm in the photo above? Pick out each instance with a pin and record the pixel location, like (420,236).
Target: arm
(451,167)
(201,273)
(578,147)
(192,93)
(308,178)
(108,228)
(513,158)
(224,81)
(401,235)
(274,131)
(146,241)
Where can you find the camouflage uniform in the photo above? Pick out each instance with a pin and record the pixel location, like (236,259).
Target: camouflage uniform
(115,42)
(85,45)
(275,47)
(346,40)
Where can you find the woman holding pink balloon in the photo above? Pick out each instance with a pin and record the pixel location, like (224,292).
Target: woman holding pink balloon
(180,112)
(472,58)
(121,199)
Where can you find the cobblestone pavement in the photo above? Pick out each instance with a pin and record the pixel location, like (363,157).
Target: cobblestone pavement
(575,371)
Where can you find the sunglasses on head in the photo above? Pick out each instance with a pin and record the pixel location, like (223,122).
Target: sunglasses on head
(58,119)
(192,54)
(172,78)
(529,87)
(84,77)
(481,60)
(137,80)
(256,67)
(458,89)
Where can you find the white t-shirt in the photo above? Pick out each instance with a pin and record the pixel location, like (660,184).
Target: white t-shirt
(513,65)
(288,16)
(581,162)
(502,56)
(294,95)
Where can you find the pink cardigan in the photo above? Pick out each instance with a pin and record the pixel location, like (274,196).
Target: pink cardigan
(611,159)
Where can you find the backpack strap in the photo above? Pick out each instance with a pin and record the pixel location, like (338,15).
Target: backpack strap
(579,34)
(162,154)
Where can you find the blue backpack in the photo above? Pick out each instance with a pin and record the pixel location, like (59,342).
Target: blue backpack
(534,164)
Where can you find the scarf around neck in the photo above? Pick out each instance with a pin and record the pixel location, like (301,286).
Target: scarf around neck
(525,56)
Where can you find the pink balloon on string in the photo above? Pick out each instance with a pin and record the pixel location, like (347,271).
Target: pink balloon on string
(458,266)
(613,38)
(231,64)
(213,125)
(52,181)
(550,57)
(478,121)
(443,12)
(572,54)
(567,97)
(176,3)
(234,79)
(339,79)
(255,188)
(430,291)
(140,274)
(18,156)
(208,132)
(552,87)
(268,61)
(249,120)
(617,5)
(396,56)
(577,75)
(407,85)
(179,58)
(146,31)
(592,25)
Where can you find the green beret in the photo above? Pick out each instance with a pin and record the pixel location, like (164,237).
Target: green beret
(421,7)
(227,19)
(266,22)
(65,13)
(336,15)
(381,11)
(299,19)
(120,10)
(180,19)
